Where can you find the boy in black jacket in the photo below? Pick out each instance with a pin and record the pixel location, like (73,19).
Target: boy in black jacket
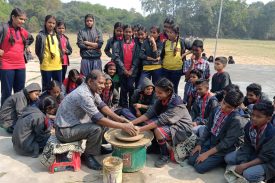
(255,159)
(221,78)
(203,105)
(220,136)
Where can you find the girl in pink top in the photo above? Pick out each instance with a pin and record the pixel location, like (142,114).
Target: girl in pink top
(14,42)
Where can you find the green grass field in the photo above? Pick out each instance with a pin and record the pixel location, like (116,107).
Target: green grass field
(254,52)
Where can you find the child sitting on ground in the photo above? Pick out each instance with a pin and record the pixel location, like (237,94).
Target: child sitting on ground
(69,84)
(220,135)
(142,99)
(168,118)
(54,90)
(254,94)
(191,92)
(110,69)
(14,105)
(32,129)
(109,94)
(221,78)
(255,159)
(203,105)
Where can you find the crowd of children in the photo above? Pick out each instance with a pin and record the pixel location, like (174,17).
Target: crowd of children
(142,81)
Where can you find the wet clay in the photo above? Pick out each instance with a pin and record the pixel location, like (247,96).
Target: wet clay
(111,138)
(124,136)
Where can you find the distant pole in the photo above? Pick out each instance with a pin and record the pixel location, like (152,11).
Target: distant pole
(218,29)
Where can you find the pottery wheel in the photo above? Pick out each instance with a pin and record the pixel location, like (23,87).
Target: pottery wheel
(112,139)
(124,136)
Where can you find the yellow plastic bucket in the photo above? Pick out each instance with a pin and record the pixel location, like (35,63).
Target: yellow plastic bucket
(112,170)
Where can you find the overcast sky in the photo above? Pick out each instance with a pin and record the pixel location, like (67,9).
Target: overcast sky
(128,4)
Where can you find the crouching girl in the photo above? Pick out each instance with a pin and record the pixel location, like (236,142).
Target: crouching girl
(168,118)
(32,129)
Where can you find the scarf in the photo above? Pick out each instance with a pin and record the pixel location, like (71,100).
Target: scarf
(255,134)
(219,121)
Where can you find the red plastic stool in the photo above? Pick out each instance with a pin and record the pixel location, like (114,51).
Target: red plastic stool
(75,163)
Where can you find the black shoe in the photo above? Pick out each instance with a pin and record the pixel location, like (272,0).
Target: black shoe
(163,160)
(92,163)
(105,150)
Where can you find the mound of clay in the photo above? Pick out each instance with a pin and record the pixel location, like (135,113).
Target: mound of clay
(124,136)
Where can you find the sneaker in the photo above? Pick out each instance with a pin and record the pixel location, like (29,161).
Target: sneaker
(163,160)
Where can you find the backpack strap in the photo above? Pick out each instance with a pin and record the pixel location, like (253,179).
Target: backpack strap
(3,32)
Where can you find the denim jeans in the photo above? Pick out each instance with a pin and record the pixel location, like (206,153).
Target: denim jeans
(13,79)
(210,163)
(174,77)
(48,76)
(154,75)
(128,113)
(252,174)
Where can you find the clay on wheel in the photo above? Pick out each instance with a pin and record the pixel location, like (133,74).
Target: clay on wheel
(124,136)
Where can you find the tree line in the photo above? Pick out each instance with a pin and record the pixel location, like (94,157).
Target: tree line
(195,17)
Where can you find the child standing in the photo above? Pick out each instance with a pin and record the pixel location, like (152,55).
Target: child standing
(48,50)
(110,69)
(192,95)
(13,106)
(90,41)
(126,57)
(66,47)
(168,118)
(196,62)
(32,129)
(14,41)
(255,159)
(141,37)
(168,23)
(150,56)
(69,84)
(117,36)
(203,105)
(220,135)
(173,48)
(221,78)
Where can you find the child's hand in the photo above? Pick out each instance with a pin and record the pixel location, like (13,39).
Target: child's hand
(126,73)
(196,149)
(1,52)
(152,40)
(194,124)
(240,168)
(86,42)
(138,106)
(202,157)
(130,72)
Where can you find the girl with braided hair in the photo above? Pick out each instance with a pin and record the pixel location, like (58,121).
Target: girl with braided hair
(49,52)
(14,40)
(171,56)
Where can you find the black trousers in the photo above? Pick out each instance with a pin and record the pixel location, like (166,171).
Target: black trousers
(92,132)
